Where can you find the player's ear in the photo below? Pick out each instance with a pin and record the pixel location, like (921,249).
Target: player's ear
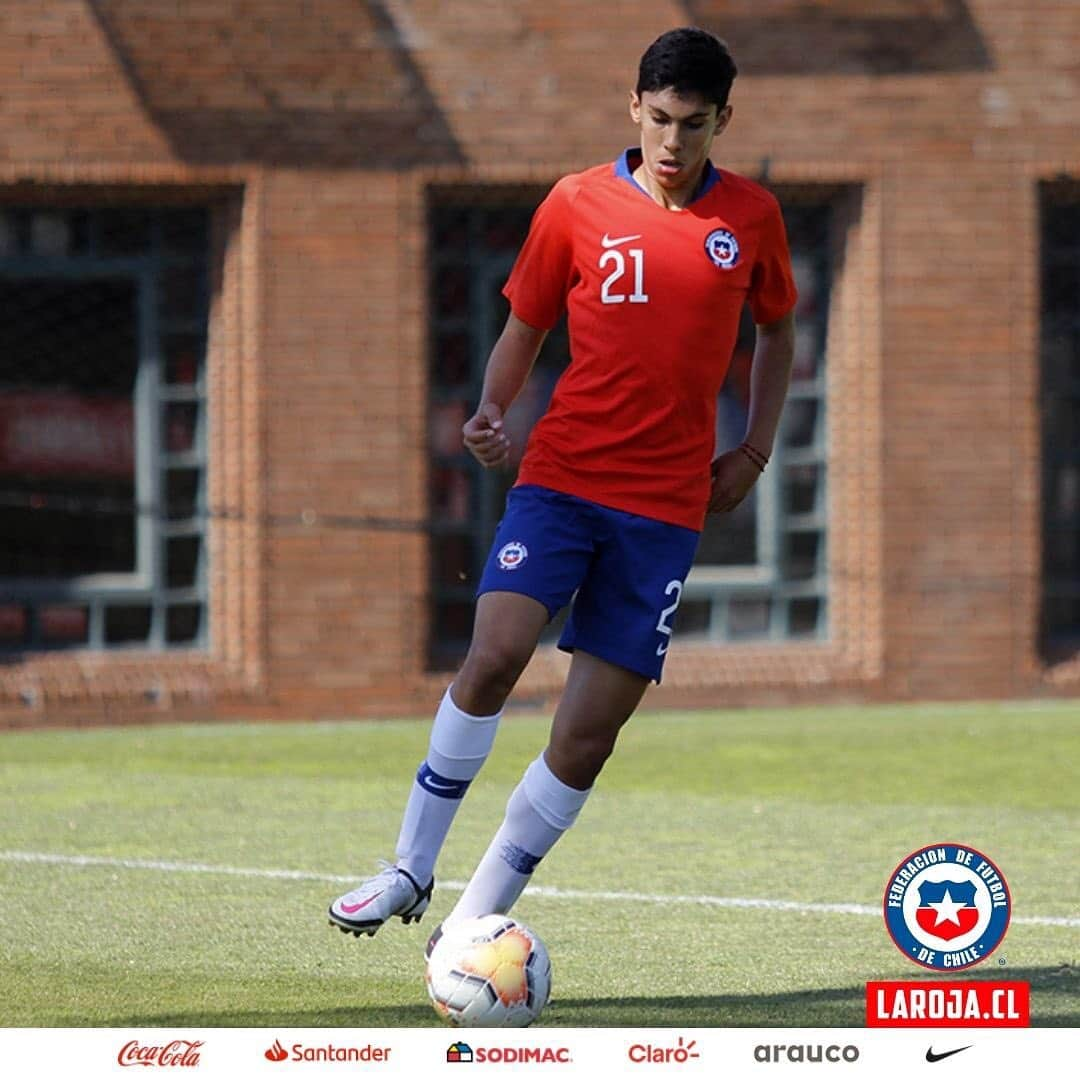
(635,107)
(723,118)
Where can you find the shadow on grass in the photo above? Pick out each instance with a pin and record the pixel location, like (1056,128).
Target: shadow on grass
(1055,1002)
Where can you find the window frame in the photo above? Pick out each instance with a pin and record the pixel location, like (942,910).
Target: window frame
(147,584)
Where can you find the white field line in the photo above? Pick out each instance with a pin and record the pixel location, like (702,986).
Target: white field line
(798,906)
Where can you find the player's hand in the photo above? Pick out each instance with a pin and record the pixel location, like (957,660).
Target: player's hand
(733,475)
(484,436)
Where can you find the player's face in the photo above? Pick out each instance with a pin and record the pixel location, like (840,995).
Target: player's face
(676,135)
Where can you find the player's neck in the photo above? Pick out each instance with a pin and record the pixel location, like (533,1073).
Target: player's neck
(670,198)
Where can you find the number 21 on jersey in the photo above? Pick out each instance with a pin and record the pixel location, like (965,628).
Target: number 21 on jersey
(616,258)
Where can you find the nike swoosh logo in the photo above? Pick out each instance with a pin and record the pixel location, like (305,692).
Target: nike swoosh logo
(352,909)
(931,1056)
(608,242)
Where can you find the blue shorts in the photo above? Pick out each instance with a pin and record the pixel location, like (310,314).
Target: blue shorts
(623,572)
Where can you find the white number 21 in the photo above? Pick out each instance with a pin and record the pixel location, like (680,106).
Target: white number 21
(638,296)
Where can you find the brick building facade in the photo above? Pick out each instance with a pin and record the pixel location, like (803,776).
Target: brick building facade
(318,137)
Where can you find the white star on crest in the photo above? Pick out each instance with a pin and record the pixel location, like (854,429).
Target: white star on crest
(946,909)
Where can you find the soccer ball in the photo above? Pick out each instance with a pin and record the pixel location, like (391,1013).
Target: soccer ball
(490,971)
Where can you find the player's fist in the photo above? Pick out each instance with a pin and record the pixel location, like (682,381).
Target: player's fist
(733,475)
(484,436)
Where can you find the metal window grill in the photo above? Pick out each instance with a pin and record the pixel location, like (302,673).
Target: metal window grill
(103,331)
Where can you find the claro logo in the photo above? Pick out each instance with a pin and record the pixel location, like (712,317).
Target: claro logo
(178,1052)
(653,1054)
(800,1052)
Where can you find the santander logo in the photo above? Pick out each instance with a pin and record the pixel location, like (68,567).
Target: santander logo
(329,1052)
(277,1052)
(183,1052)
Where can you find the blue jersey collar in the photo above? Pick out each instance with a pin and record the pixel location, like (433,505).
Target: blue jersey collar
(710,177)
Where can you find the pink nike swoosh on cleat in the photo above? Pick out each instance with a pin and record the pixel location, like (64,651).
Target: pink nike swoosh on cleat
(352,909)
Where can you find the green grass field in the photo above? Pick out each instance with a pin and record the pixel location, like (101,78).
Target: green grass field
(179,875)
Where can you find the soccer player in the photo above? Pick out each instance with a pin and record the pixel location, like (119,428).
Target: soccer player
(654,257)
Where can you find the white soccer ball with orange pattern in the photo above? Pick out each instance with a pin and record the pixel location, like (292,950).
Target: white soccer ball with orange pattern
(490,971)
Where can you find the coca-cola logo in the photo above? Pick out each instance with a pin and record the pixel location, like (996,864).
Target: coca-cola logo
(178,1052)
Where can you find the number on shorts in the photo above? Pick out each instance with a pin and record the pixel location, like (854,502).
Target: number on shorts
(676,588)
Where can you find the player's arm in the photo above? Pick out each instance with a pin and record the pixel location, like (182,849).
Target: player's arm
(734,473)
(769,378)
(507,369)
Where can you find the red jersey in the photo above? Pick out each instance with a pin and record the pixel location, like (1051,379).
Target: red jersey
(654,298)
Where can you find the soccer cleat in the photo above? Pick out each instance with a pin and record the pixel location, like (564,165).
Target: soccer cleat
(392,892)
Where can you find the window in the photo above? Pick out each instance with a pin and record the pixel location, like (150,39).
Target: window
(103,324)
(1060,400)
(760,572)
(475,236)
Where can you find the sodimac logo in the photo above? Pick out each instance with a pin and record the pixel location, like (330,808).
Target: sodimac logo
(330,1052)
(177,1053)
(509,1055)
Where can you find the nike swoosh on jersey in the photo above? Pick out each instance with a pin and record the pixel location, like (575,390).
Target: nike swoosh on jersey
(931,1056)
(608,242)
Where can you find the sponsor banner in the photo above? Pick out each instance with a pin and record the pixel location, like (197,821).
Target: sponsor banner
(733,1054)
(948,1004)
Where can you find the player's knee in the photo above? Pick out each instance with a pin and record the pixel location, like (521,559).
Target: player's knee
(578,761)
(488,675)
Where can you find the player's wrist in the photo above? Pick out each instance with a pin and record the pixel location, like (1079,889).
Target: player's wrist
(752,454)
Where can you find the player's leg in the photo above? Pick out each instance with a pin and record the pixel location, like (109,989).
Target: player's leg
(506,629)
(619,630)
(536,563)
(598,699)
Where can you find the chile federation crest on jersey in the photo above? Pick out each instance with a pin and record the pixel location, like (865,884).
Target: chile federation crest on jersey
(722,247)
(512,555)
(947,907)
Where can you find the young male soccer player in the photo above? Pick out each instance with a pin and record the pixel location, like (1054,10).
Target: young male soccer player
(654,257)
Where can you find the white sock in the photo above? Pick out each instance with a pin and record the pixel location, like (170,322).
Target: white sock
(541,808)
(458,747)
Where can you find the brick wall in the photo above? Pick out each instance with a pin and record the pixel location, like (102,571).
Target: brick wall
(329,127)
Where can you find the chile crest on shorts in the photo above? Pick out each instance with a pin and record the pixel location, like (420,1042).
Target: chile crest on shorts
(512,555)
(947,907)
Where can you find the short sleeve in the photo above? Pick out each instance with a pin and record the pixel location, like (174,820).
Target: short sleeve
(543,272)
(772,287)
